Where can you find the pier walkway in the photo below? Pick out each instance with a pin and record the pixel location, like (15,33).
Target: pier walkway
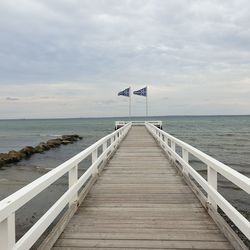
(140,201)
(139,192)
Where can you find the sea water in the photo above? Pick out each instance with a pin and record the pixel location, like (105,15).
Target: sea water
(226,138)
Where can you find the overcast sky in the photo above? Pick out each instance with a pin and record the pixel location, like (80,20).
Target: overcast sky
(70,58)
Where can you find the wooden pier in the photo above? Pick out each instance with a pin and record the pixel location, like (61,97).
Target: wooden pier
(140,192)
(141,202)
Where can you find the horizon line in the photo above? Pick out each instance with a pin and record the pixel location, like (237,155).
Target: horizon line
(127,117)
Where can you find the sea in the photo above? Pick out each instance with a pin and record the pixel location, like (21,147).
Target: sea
(226,138)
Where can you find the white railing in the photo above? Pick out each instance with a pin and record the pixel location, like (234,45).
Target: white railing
(119,124)
(11,204)
(214,198)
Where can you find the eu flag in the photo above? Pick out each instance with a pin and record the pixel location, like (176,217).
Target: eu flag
(125,92)
(142,92)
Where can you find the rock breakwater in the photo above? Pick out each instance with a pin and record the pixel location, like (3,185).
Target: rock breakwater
(15,156)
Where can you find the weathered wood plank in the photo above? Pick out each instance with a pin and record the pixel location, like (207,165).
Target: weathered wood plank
(127,228)
(88,203)
(149,223)
(108,248)
(140,202)
(180,236)
(139,244)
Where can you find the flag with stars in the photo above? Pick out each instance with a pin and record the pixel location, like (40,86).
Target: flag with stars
(141,92)
(125,92)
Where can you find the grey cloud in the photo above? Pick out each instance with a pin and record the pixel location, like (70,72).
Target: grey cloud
(187,44)
(92,42)
(45,97)
(12,99)
(165,98)
(107,102)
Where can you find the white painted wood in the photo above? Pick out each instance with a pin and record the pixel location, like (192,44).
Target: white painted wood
(212,181)
(104,146)
(22,196)
(229,173)
(137,123)
(140,197)
(210,186)
(7,232)
(12,203)
(185,156)
(173,145)
(73,177)
(94,158)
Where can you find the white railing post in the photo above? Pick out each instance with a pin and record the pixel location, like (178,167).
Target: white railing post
(185,157)
(21,197)
(104,147)
(209,185)
(73,177)
(212,181)
(162,137)
(172,145)
(158,135)
(112,140)
(8,233)
(115,140)
(94,158)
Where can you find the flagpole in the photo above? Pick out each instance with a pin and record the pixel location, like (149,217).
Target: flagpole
(130,103)
(143,92)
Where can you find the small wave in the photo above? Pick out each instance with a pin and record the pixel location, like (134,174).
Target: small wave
(242,201)
(242,139)
(49,135)
(195,161)
(202,170)
(227,134)
(228,186)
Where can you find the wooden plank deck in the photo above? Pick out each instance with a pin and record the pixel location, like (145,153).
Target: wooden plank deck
(140,202)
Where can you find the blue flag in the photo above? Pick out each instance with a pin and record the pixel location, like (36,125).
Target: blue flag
(125,92)
(142,92)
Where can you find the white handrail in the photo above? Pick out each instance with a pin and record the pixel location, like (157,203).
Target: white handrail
(12,203)
(138,123)
(213,167)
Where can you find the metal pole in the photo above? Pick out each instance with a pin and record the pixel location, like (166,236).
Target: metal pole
(130,103)
(147,103)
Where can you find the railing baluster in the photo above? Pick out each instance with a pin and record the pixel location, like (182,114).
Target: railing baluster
(104,147)
(162,140)
(172,145)
(21,197)
(94,158)
(185,156)
(8,232)
(116,139)
(215,199)
(212,181)
(113,142)
(73,177)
